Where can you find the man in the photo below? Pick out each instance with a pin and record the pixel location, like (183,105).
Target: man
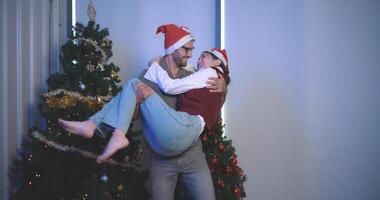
(190,166)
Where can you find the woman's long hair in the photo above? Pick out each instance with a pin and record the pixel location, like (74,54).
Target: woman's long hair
(226,72)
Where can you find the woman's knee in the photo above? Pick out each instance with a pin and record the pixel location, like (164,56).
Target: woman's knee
(132,81)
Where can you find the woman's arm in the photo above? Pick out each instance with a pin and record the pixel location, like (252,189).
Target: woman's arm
(196,80)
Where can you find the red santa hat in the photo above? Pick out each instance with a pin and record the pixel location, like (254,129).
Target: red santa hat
(175,37)
(221,54)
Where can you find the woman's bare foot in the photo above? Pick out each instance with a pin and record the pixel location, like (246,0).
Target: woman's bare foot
(85,129)
(117,142)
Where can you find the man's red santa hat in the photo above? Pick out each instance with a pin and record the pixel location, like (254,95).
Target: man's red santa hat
(175,37)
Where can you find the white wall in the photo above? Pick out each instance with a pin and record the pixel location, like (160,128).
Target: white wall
(303,106)
(342,98)
(265,102)
(132,25)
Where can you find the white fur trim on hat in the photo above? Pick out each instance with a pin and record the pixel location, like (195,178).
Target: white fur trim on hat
(179,44)
(218,55)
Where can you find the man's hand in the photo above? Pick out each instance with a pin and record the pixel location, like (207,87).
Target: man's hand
(143,91)
(217,85)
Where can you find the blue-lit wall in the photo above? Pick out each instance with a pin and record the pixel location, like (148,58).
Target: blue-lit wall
(304,105)
(265,102)
(132,25)
(303,108)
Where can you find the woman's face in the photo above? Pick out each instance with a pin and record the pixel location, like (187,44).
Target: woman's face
(206,60)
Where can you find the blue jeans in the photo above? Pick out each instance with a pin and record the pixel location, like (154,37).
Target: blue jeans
(170,132)
(190,167)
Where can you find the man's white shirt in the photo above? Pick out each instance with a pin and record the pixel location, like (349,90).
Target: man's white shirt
(168,85)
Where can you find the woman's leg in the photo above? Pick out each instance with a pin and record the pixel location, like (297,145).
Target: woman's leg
(97,118)
(119,116)
(110,109)
(116,113)
(116,142)
(85,129)
(172,131)
(167,131)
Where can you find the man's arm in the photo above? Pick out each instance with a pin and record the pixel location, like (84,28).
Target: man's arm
(178,86)
(143,91)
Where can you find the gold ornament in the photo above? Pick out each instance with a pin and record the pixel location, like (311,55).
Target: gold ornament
(106,41)
(90,67)
(113,74)
(120,187)
(98,99)
(126,159)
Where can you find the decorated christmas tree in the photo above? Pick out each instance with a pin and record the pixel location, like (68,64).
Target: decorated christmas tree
(227,176)
(54,164)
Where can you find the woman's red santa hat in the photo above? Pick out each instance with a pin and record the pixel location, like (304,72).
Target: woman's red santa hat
(175,37)
(221,54)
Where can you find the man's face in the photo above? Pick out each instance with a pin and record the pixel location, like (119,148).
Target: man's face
(181,55)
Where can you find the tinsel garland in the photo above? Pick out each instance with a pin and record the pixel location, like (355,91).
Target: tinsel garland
(70,99)
(76,94)
(104,56)
(84,153)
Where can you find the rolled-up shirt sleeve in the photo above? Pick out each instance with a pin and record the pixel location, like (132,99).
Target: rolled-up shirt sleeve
(196,80)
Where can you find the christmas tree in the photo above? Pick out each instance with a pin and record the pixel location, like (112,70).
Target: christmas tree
(54,164)
(227,176)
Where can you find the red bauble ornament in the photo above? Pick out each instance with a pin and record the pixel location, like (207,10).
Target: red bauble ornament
(214,160)
(236,190)
(233,162)
(204,138)
(238,171)
(216,141)
(234,155)
(220,121)
(229,170)
(220,183)
(221,146)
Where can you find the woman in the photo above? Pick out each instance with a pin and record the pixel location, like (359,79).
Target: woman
(172,131)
